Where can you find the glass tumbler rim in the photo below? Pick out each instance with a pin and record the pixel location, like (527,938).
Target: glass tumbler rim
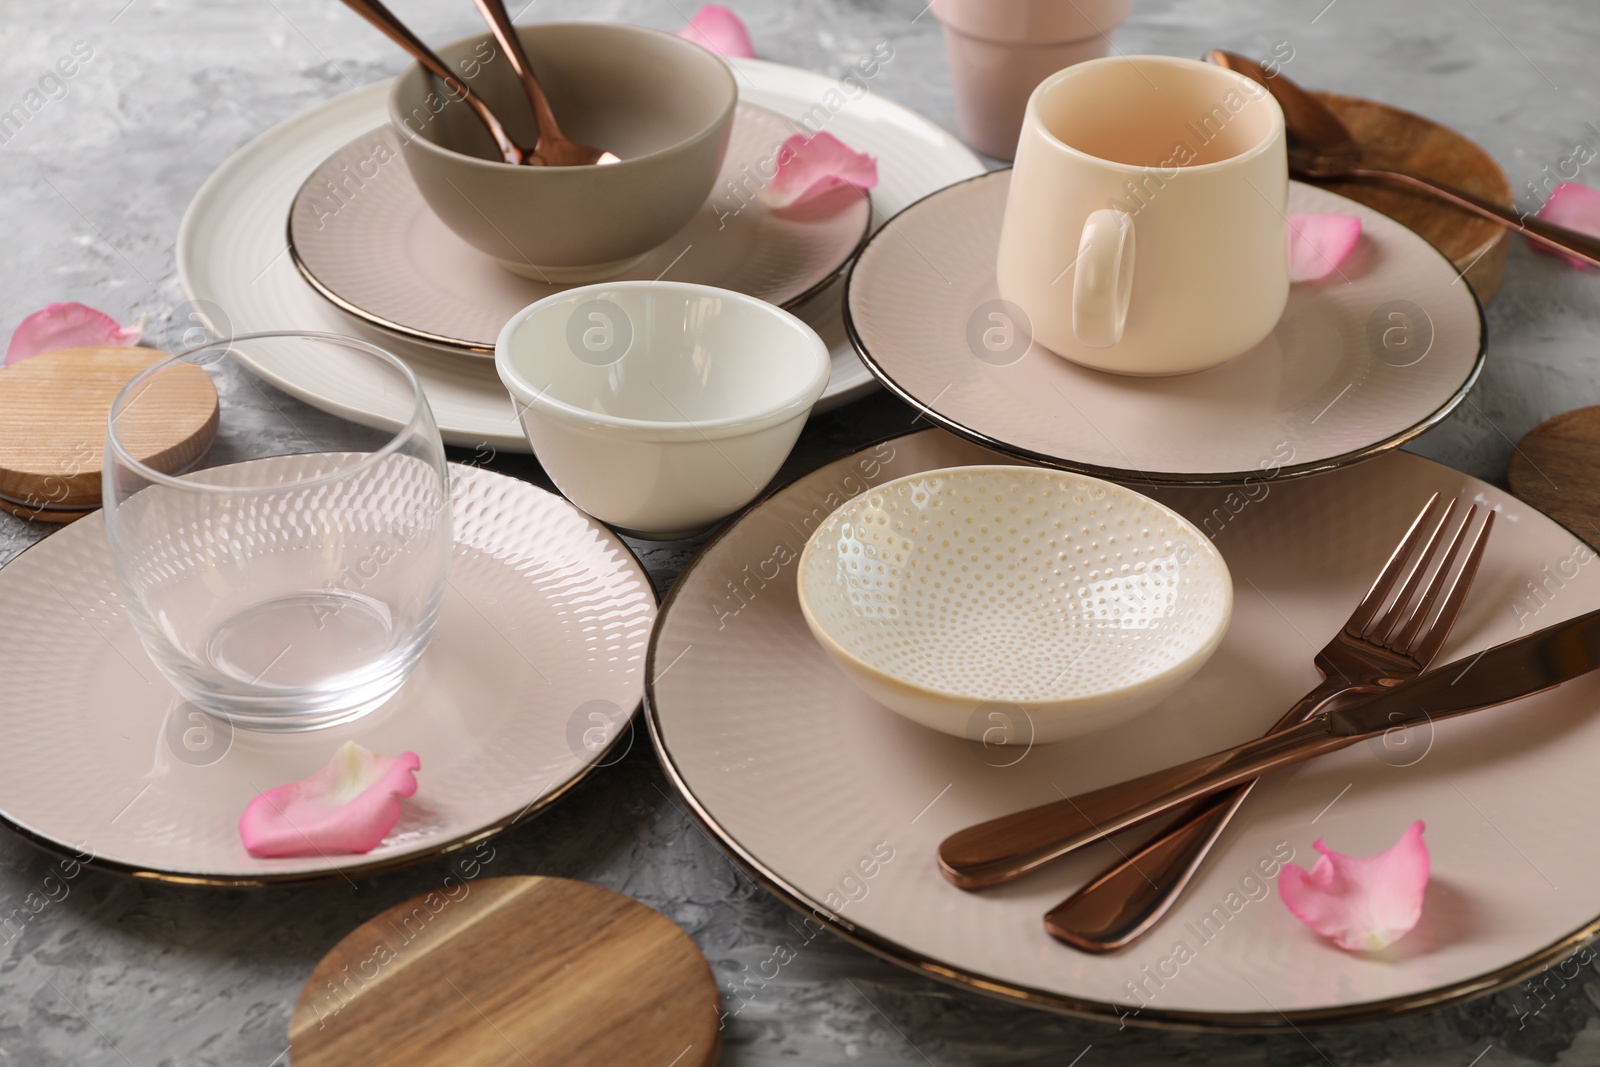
(419,413)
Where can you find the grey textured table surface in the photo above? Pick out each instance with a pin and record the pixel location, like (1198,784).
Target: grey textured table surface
(95,183)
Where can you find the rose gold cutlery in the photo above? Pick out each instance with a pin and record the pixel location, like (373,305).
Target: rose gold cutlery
(553,149)
(381,17)
(1001,849)
(1367,655)
(1321,148)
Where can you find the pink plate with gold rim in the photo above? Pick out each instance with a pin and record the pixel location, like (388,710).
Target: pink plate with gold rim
(363,236)
(1361,362)
(534,671)
(839,805)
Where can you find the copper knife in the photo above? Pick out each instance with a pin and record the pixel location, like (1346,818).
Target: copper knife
(1001,849)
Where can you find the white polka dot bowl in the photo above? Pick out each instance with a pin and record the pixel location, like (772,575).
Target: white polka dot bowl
(1013,605)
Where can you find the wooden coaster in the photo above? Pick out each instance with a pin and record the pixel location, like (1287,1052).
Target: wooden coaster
(53,410)
(511,971)
(1394,138)
(1553,468)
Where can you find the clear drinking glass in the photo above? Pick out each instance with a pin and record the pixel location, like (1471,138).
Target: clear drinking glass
(283,582)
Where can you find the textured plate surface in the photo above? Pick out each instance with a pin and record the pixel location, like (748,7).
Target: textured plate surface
(543,627)
(366,239)
(234,264)
(1361,361)
(840,804)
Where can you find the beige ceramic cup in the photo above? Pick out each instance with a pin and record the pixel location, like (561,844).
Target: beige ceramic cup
(1146,228)
(1000,49)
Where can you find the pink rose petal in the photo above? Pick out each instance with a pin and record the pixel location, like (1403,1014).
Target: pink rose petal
(809,167)
(68,326)
(346,807)
(1577,207)
(1319,243)
(720,30)
(1363,903)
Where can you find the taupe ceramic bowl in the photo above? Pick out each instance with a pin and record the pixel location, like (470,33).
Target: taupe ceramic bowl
(665,105)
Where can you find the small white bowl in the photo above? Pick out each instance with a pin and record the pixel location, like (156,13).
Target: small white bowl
(1013,605)
(660,407)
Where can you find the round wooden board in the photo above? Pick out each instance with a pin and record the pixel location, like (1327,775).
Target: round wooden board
(1553,468)
(511,971)
(53,410)
(1394,138)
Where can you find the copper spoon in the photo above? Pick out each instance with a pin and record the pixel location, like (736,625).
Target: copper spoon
(1321,148)
(553,148)
(381,17)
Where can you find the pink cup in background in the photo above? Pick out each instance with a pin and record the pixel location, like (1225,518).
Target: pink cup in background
(999,50)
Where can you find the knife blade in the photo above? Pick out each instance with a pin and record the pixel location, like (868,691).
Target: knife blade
(1001,849)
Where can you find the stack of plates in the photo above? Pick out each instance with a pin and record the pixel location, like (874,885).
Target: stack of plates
(413,287)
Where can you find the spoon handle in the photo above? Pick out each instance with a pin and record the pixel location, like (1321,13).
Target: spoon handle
(1560,238)
(381,17)
(1002,849)
(1132,896)
(494,12)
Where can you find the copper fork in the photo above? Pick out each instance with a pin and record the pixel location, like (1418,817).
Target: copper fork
(1368,654)
(1130,897)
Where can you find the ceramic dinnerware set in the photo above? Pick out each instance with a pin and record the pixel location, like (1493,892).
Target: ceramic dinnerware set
(1108,557)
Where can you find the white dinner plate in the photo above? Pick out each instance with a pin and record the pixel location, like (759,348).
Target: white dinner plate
(234,264)
(839,805)
(533,672)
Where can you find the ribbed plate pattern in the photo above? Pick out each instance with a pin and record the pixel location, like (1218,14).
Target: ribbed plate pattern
(362,230)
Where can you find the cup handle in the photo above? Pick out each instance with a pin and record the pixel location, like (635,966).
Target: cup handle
(1103,280)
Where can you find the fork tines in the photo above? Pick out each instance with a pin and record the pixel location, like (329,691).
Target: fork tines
(1435,583)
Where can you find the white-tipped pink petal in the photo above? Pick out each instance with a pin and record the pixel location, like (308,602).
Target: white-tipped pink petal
(68,326)
(1319,243)
(717,28)
(347,807)
(1361,903)
(811,166)
(1577,207)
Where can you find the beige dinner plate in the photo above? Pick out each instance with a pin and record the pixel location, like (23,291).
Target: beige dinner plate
(364,237)
(839,804)
(1361,361)
(534,671)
